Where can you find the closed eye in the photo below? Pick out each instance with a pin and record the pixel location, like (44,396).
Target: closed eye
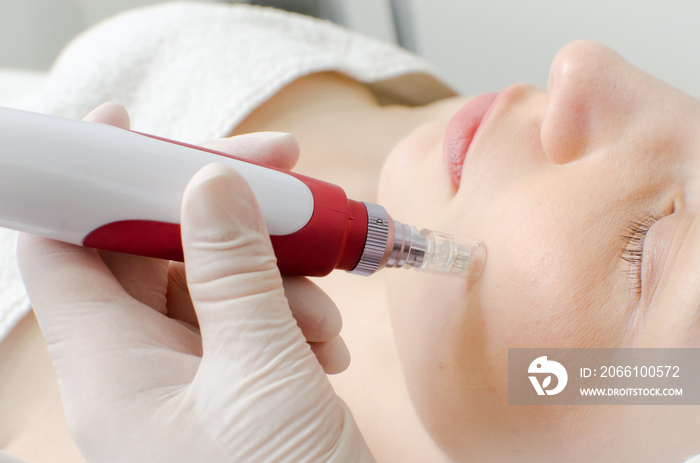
(633,250)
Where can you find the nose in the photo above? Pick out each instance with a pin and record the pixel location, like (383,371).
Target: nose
(592,92)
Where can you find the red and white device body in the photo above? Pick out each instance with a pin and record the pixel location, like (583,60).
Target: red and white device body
(108,188)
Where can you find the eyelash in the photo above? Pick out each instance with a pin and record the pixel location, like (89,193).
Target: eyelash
(633,250)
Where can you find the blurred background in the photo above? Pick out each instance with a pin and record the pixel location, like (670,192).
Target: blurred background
(479,45)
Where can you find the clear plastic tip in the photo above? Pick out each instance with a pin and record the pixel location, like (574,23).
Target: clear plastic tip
(434,252)
(393,244)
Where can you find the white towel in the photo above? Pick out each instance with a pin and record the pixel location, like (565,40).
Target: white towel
(193,71)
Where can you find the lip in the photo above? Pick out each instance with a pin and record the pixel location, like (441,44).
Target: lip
(460,133)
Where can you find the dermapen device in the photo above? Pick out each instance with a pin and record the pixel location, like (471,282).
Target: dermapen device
(108,188)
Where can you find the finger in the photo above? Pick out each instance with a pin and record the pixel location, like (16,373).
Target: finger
(110,114)
(277,149)
(143,278)
(255,361)
(315,312)
(179,302)
(333,355)
(233,278)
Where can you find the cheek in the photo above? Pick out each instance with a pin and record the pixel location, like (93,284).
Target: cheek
(553,276)
(546,286)
(414,179)
(541,288)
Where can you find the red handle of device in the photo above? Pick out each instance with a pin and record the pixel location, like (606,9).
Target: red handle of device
(334,237)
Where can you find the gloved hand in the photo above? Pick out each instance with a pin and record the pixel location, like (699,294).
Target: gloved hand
(145,380)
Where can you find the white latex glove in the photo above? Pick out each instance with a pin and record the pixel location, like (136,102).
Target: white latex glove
(141,384)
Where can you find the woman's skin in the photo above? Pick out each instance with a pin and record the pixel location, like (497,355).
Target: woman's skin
(550,184)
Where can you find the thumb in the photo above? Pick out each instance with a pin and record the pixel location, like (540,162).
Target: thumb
(232,275)
(268,395)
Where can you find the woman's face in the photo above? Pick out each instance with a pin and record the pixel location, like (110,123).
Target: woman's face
(586,197)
